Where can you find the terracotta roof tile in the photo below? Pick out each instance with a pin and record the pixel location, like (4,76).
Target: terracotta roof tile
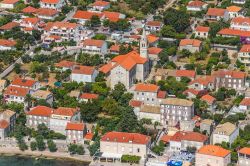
(203,80)
(135,103)
(16,91)
(32,20)
(152,38)
(245,102)
(112,16)
(146,87)
(245,150)
(245,48)
(86,15)
(166,138)
(10,1)
(234,74)
(124,137)
(216,12)
(46,12)
(188,136)
(185,73)
(50,1)
(40,111)
(154,50)
(93,42)
(7,43)
(154,23)
(23,82)
(100,3)
(208,98)
(161,94)
(233,8)
(75,126)
(241,20)
(4,124)
(196,3)
(106,68)
(9,26)
(89,136)
(65,63)
(234,32)
(89,96)
(65,111)
(191,90)
(88,70)
(213,150)
(193,42)
(29,9)
(202,29)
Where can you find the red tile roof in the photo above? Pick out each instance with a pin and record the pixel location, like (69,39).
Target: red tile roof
(65,63)
(106,68)
(65,111)
(193,42)
(89,96)
(188,136)
(46,12)
(154,23)
(62,24)
(245,102)
(234,32)
(112,16)
(50,1)
(32,20)
(202,29)
(233,8)
(195,92)
(135,103)
(166,138)
(161,94)
(154,50)
(152,38)
(86,15)
(93,42)
(245,150)
(216,12)
(208,98)
(4,124)
(29,9)
(124,137)
(89,136)
(101,3)
(203,80)
(16,91)
(196,3)
(9,1)
(146,87)
(7,43)
(87,70)
(213,150)
(185,73)
(75,126)
(9,26)
(245,48)
(234,74)
(23,82)
(241,21)
(40,111)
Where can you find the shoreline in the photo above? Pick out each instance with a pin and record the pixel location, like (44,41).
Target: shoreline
(44,154)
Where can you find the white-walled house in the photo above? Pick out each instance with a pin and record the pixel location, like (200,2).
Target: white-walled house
(99,6)
(52,4)
(241,2)
(15,94)
(46,13)
(75,132)
(244,55)
(235,11)
(192,45)
(240,23)
(201,31)
(7,44)
(9,4)
(26,83)
(217,14)
(196,5)
(93,46)
(83,74)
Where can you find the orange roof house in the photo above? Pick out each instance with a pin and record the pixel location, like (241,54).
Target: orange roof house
(154,50)
(50,1)
(29,10)
(65,111)
(46,12)
(23,82)
(93,42)
(208,98)
(7,43)
(87,70)
(40,111)
(185,73)
(202,29)
(86,15)
(245,48)
(89,96)
(16,91)
(213,150)
(188,136)
(75,126)
(190,42)
(4,124)
(234,9)
(146,87)
(9,26)
(216,12)
(227,32)
(245,150)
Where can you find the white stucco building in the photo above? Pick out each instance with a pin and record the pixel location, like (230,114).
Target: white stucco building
(83,74)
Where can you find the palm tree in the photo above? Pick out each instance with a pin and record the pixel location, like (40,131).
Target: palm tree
(28,99)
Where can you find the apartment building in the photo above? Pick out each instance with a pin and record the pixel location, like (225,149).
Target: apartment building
(181,140)
(174,110)
(149,94)
(244,156)
(38,115)
(192,45)
(7,123)
(212,155)
(244,55)
(217,14)
(75,132)
(52,4)
(115,144)
(226,132)
(92,46)
(229,79)
(83,74)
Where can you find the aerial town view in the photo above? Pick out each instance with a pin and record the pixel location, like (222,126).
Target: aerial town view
(125,82)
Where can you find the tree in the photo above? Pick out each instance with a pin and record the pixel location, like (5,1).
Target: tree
(80,150)
(118,91)
(90,110)
(51,145)
(43,130)
(168,31)
(110,106)
(128,121)
(33,145)
(17,68)
(40,143)
(95,21)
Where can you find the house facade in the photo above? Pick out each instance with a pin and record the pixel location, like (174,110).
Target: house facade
(7,123)
(75,132)
(83,74)
(202,31)
(244,156)
(244,55)
(192,45)
(92,46)
(52,4)
(217,14)
(240,23)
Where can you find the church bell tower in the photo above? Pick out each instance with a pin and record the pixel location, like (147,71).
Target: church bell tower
(144,45)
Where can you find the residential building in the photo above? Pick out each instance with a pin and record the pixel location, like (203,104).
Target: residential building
(244,55)
(149,94)
(192,45)
(9,4)
(112,16)
(85,97)
(244,156)
(29,10)
(226,132)
(46,13)
(128,68)
(211,102)
(228,32)
(206,125)
(202,31)
(193,93)
(202,83)
(9,26)
(92,46)
(83,74)
(115,144)
(217,14)
(212,155)
(191,74)
(181,140)
(15,94)
(26,83)
(153,26)
(75,132)
(31,23)
(3,84)
(52,4)
(150,112)
(229,79)
(83,16)
(245,104)
(174,110)
(61,116)
(65,30)
(7,123)
(240,23)
(99,6)
(7,44)
(153,53)
(196,5)
(43,95)
(239,1)
(39,115)
(65,65)
(235,11)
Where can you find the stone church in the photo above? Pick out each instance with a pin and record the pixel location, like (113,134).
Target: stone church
(129,68)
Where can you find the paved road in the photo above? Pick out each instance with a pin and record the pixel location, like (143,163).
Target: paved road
(70,14)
